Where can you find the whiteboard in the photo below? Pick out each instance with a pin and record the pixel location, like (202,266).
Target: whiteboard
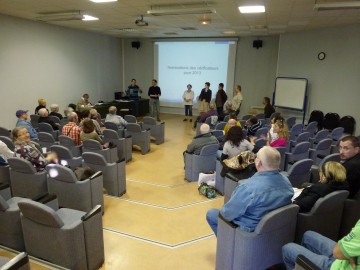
(290,93)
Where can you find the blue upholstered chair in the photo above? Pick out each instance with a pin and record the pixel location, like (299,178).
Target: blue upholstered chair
(205,162)
(220,125)
(295,130)
(5,132)
(302,137)
(261,132)
(300,151)
(315,177)
(322,134)
(311,128)
(321,150)
(290,122)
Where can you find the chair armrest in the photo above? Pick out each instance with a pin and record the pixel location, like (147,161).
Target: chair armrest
(128,136)
(120,160)
(231,224)
(18,262)
(93,212)
(305,263)
(232,177)
(5,191)
(45,198)
(4,186)
(97,174)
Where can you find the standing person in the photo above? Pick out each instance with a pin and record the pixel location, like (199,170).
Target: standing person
(188,98)
(22,121)
(268,109)
(133,90)
(220,99)
(84,103)
(236,100)
(204,99)
(154,94)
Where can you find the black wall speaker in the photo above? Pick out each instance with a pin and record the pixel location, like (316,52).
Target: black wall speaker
(257,43)
(135,44)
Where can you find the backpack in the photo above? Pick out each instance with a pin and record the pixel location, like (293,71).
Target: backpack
(206,190)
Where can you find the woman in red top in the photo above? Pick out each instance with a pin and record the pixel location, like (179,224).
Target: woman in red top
(283,134)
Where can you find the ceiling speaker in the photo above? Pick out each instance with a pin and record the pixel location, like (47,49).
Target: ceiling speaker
(257,43)
(135,44)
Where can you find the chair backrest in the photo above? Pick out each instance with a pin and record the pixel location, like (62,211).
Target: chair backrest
(337,133)
(94,158)
(220,125)
(324,144)
(130,118)
(45,127)
(331,121)
(62,152)
(3,204)
(54,118)
(301,148)
(290,122)
(246,117)
(260,116)
(226,118)
(111,125)
(46,137)
(110,134)
(92,145)
(149,120)
(303,137)
(322,134)
(332,157)
(133,127)
(21,165)
(259,143)
(61,173)
(261,131)
(5,132)
(295,130)
(209,150)
(66,141)
(348,123)
(317,116)
(9,143)
(34,120)
(299,172)
(311,128)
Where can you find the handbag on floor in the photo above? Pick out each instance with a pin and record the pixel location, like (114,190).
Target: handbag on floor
(206,190)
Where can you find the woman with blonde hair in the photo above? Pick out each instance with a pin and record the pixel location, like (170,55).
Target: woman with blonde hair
(280,128)
(332,178)
(42,104)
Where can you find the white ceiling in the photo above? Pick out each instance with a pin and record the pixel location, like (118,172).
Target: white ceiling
(281,16)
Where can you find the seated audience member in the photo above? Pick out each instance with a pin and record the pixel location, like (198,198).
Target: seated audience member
(265,191)
(332,178)
(72,106)
(231,122)
(268,109)
(42,104)
(324,252)
(67,111)
(349,147)
(235,143)
(252,125)
(54,108)
(272,136)
(280,129)
(84,103)
(71,129)
(5,153)
(95,117)
(22,121)
(114,118)
(211,112)
(236,101)
(44,118)
(201,140)
(25,149)
(88,131)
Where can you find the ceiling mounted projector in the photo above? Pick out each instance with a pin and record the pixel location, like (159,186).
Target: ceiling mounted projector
(141,22)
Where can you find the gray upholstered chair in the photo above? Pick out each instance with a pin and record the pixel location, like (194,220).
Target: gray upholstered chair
(114,127)
(311,128)
(315,177)
(5,174)
(25,182)
(34,120)
(302,137)
(46,140)
(300,172)
(46,127)
(282,151)
(260,116)
(233,179)
(66,237)
(322,134)
(226,118)
(130,118)
(237,249)
(205,162)
(140,137)
(246,117)
(8,141)
(324,217)
(336,134)
(261,132)
(69,143)
(295,130)
(110,154)
(73,193)
(124,145)
(259,143)
(350,216)
(55,119)
(5,132)
(220,125)
(66,157)
(114,174)
(219,180)
(299,152)
(19,262)
(157,131)
(321,150)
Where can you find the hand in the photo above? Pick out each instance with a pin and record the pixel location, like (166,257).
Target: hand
(252,139)
(353,262)
(140,91)
(51,157)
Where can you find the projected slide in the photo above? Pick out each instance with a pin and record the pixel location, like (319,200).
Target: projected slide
(181,63)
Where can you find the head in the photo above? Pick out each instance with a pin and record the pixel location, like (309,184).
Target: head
(221,86)
(204,128)
(237,89)
(267,159)
(86,97)
(112,110)
(233,116)
(85,114)
(88,125)
(21,114)
(207,85)
(349,146)
(281,129)
(253,120)
(133,82)
(54,108)
(266,100)
(20,134)
(154,82)
(73,106)
(189,86)
(232,123)
(332,172)
(67,111)
(276,117)
(73,117)
(235,135)
(93,114)
(212,106)
(43,112)
(42,102)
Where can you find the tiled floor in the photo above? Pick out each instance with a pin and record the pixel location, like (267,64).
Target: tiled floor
(160,222)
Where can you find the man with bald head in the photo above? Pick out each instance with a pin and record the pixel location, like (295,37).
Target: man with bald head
(201,140)
(265,191)
(44,118)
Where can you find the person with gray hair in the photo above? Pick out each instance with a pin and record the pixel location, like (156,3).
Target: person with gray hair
(265,191)
(114,118)
(44,118)
(201,140)
(54,108)
(71,129)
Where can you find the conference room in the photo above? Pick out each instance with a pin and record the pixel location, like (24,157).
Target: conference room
(159,223)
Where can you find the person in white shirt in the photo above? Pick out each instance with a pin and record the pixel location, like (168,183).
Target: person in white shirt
(188,98)
(235,143)
(114,118)
(236,100)
(5,152)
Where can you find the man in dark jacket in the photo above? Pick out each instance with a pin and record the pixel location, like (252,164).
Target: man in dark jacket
(220,99)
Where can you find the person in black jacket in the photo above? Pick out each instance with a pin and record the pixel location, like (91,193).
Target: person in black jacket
(205,98)
(332,178)
(268,109)
(220,99)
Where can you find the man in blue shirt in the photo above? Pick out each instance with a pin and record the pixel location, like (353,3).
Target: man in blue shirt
(265,191)
(22,121)
(133,90)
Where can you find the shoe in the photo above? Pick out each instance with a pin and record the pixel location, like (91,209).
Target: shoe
(190,120)
(184,120)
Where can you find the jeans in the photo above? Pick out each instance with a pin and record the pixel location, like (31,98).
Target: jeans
(188,110)
(212,218)
(154,108)
(317,248)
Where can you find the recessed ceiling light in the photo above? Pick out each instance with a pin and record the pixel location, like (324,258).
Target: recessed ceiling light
(229,32)
(205,21)
(103,1)
(252,9)
(89,18)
